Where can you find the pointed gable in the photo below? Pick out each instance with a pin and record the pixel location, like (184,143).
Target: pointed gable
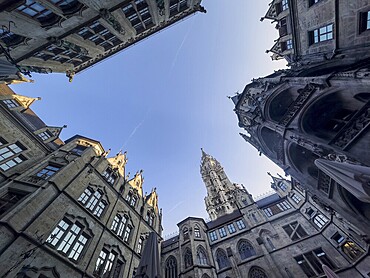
(49,133)
(152,199)
(272,12)
(137,182)
(118,162)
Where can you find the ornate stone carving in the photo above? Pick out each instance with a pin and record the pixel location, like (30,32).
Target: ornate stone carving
(353,129)
(108,17)
(160,6)
(303,96)
(68,45)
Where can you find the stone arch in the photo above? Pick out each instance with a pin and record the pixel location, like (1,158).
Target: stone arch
(205,275)
(279,104)
(303,161)
(202,256)
(358,207)
(257,272)
(273,142)
(327,115)
(171,267)
(222,259)
(245,249)
(266,236)
(188,258)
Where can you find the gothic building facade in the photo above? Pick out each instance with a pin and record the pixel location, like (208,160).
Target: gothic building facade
(69,36)
(286,234)
(66,209)
(312,119)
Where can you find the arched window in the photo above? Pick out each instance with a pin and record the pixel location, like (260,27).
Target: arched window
(270,244)
(122,227)
(257,272)
(171,268)
(150,217)
(188,258)
(222,259)
(246,249)
(185,233)
(93,201)
(196,231)
(110,263)
(131,198)
(201,256)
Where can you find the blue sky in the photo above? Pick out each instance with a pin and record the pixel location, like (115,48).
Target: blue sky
(166,97)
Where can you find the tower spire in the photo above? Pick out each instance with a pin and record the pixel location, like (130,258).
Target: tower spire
(223,197)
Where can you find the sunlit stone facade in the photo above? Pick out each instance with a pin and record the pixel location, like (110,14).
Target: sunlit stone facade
(67,209)
(285,234)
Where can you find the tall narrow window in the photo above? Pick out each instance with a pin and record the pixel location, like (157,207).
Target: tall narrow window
(188,258)
(196,232)
(222,259)
(364,21)
(140,245)
(68,238)
(109,264)
(201,256)
(47,172)
(171,268)
(245,249)
(149,217)
(93,201)
(295,231)
(185,233)
(324,33)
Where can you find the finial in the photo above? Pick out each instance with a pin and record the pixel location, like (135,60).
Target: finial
(268,173)
(65,126)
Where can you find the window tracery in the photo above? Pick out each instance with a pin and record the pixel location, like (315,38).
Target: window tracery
(245,249)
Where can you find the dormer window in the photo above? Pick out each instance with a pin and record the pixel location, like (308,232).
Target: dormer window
(79,149)
(11,103)
(45,135)
(131,198)
(109,176)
